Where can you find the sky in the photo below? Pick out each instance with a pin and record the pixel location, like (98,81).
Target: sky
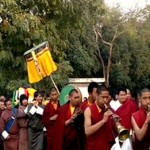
(127,5)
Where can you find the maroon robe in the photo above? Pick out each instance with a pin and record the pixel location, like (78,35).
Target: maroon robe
(23,124)
(66,137)
(84,105)
(13,142)
(49,111)
(125,112)
(102,139)
(140,117)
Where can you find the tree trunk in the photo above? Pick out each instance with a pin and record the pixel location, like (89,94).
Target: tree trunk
(102,63)
(109,65)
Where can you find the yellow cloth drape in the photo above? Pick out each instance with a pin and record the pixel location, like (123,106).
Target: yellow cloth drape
(40,65)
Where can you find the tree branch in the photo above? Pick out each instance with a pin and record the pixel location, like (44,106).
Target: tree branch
(105,42)
(99,53)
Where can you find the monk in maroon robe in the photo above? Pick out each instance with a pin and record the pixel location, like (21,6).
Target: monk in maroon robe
(124,108)
(66,136)
(50,115)
(141,122)
(97,123)
(10,133)
(92,89)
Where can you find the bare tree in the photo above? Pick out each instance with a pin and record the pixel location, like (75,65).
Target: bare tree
(110,44)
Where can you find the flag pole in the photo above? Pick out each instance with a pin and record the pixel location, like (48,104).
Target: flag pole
(54,83)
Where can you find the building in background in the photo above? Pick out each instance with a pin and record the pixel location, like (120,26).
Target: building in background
(82,83)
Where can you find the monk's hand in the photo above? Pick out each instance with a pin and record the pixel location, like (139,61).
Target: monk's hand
(106,115)
(75,114)
(78,111)
(147,118)
(73,117)
(53,118)
(116,117)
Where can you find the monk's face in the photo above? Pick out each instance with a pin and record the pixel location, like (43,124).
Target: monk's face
(8,105)
(93,95)
(145,99)
(103,98)
(74,99)
(122,96)
(54,96)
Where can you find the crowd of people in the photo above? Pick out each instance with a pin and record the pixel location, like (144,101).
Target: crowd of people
(98,122)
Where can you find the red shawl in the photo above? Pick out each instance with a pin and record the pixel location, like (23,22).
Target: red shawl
(125,111)
(84,105)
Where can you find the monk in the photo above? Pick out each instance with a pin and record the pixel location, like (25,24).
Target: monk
(9,127)
(23,123)
(124,107)
(141,122)
(92,91)
(66,136)
(35,127)
(50,115)
(97,123)
(2,108)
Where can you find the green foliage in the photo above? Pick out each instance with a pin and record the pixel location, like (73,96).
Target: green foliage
(68,27)
(28,23)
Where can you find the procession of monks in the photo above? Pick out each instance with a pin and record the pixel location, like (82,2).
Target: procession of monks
(93,124)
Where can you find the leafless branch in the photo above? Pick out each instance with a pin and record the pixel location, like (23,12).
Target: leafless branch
(105,42)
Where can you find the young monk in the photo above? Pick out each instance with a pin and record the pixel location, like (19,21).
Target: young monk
(92,91)
(66,136)
(50,115)
(124,107)
(141,122)
(97,123)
